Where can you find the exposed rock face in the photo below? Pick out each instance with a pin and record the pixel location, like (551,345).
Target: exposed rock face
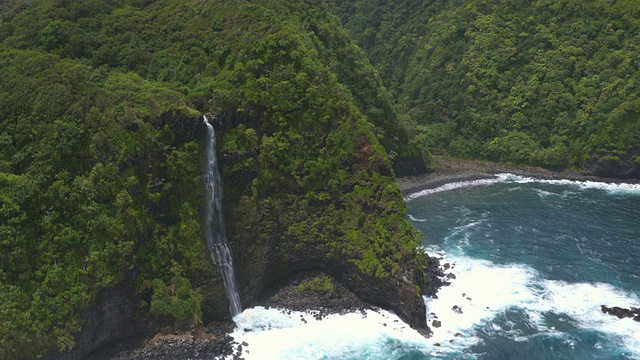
(184,346)
(111,319)
(267,247)
(276,230)
(432,274)
(348,220)
(626,166)
(312,290)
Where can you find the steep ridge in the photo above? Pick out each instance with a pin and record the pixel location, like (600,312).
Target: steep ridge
(102,166)
(550,83)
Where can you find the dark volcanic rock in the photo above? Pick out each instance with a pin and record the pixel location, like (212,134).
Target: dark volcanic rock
(611,165)
(110,320)
(200,343)
(621,313)
(312,291)
(432,274)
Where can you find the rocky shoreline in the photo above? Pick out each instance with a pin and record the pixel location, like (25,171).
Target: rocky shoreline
(324,298)
(313,292)
(212,342)
(456,170)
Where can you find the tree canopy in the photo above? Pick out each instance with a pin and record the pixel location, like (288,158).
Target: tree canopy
(101,163)
(550,83)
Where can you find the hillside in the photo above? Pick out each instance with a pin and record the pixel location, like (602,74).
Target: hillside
(549,83)
(101,167)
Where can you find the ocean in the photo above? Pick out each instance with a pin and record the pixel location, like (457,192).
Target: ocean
(530,262)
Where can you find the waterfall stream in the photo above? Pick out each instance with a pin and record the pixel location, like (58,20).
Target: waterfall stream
(214,224)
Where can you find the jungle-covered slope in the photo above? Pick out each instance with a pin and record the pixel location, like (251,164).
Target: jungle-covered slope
(101,163)
(554,83)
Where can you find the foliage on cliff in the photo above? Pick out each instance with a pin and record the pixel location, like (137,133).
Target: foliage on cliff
(101,158)
(551,83)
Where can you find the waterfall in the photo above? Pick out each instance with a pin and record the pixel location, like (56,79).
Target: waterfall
(214,225)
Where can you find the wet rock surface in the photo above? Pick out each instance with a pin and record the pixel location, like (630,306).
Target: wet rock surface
(315,292)
(210,343)
(622,313)
(433,274)
(312,292)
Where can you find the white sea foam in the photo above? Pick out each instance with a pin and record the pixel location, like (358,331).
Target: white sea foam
(484,290)
(280,334)
(452,186)
(413,218)
(581,302)
(612,188)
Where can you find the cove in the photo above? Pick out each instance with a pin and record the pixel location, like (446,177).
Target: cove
(530,263)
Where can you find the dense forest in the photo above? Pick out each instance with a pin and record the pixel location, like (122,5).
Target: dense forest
(102,156)
(102,141)
(550,83)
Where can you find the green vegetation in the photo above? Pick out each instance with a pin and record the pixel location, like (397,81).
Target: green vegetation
(178,300)
(318,286)
(101,161)
(550,83)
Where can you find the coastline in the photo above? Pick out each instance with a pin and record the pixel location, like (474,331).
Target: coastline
(215,341)
(449,170)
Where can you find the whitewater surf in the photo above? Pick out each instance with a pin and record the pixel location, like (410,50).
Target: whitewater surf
(529,264)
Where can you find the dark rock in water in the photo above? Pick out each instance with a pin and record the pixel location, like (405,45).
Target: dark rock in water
(457,309)
(446,266)
(436,323)
(451,276)
(458,335)
(621,313)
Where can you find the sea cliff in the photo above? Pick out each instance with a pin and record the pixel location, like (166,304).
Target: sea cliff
(102,167)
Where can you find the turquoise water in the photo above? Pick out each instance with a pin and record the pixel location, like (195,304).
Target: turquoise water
(533,261)
(561,249)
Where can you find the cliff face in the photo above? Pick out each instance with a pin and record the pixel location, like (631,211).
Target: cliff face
(332,205)
(611,164)
(102,166)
